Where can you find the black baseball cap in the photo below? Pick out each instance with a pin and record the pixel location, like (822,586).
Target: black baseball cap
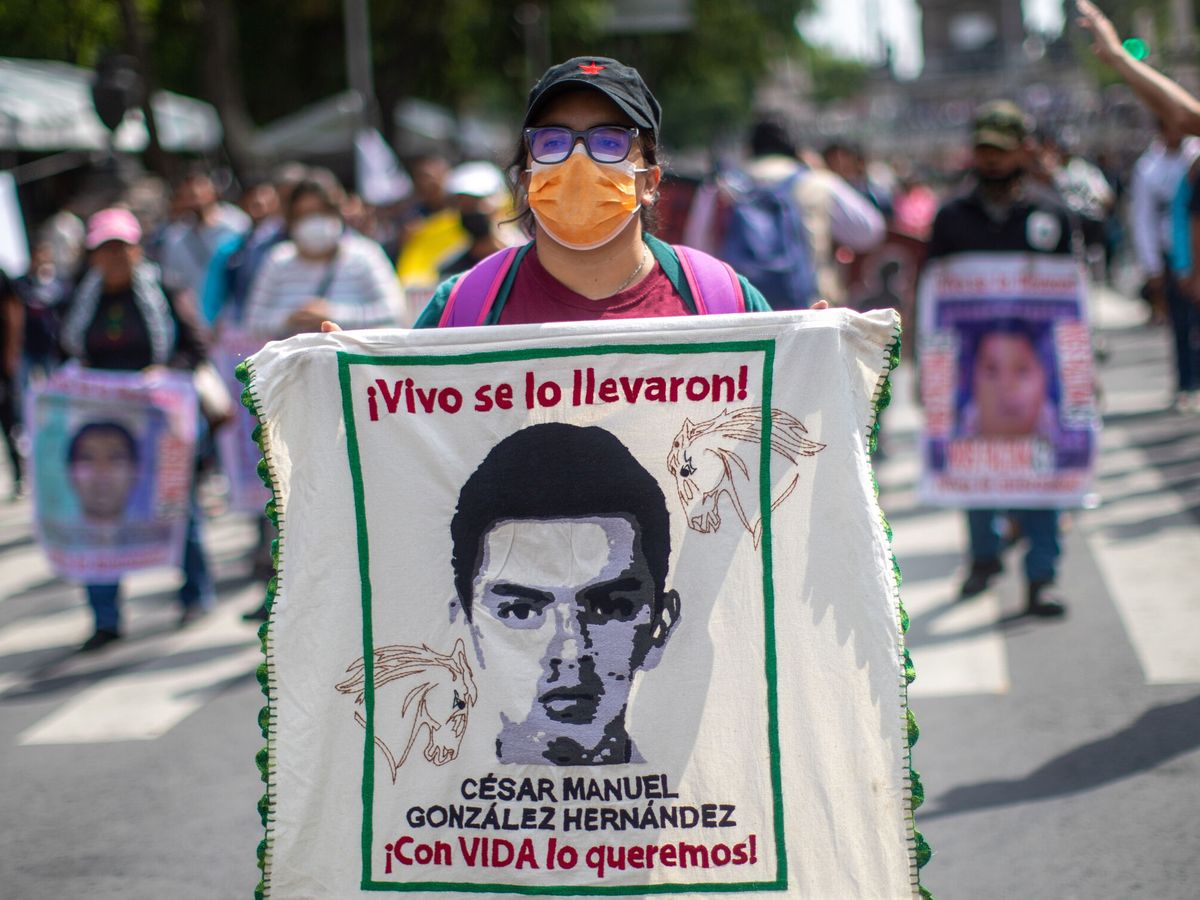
(620,83)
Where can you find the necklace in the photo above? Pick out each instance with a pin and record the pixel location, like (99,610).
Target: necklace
(634,274)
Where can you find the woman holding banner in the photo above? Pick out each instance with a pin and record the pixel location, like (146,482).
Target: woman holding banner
(585,177)
(122,318)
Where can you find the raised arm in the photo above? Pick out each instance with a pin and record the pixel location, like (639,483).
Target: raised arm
(1166,99)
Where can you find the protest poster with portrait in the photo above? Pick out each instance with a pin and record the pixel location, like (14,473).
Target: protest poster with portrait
(113,458)
(238,453)
(590,609)
(1006,382)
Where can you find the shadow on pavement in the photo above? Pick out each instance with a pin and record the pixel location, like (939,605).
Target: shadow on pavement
(1157,735)
(43,683)
(24,540)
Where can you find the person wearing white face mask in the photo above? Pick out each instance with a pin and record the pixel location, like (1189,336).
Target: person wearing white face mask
(325,271)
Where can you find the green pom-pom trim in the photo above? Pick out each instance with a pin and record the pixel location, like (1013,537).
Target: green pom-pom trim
(923,851)
(262,673)
(885,397)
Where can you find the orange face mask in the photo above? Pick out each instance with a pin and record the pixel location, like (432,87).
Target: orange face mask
(583,204)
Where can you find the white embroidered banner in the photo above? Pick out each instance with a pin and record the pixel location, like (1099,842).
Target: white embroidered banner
(1007,383)
(601,608)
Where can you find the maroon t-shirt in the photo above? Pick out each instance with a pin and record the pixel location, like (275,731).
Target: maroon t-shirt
(537,296)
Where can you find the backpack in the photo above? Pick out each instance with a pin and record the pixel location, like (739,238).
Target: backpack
(714,285)
(766,241)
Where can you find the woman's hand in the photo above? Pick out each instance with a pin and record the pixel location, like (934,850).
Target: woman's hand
(820,304)
(309,316)
(1106,43)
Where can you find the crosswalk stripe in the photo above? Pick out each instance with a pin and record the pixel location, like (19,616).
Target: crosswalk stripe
(45,632)
(23,568)
(146,703)
(1144,565)
(956,648)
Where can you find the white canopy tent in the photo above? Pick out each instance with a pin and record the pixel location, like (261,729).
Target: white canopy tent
(46,106)
(324,128)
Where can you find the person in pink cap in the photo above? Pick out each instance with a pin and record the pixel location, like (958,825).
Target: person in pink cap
(122,317)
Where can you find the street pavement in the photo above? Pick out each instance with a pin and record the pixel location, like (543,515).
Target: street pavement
(1061,759)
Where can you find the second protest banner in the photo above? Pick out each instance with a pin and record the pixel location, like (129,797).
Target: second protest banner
(113,459)
(1006,382)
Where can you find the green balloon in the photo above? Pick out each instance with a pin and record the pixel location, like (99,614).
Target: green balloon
(1136,48)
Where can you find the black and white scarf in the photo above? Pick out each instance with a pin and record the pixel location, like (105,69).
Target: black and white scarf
(151,303)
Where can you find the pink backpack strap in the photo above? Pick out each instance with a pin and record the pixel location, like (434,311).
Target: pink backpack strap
(473,295)
(715,286)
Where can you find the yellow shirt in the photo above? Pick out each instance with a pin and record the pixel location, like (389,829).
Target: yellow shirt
(436,241)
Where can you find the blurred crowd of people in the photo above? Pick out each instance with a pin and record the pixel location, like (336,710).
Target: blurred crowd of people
(119,290)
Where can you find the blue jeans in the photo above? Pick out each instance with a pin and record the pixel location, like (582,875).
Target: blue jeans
(1040,526)
(1185,328)
(198,591)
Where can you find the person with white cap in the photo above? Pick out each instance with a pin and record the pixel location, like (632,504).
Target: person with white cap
(122,317)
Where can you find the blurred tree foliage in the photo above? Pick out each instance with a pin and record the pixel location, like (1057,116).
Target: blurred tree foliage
(465,54)
(76,31)
(834,77)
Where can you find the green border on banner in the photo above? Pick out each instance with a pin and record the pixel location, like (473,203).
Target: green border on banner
(767,349)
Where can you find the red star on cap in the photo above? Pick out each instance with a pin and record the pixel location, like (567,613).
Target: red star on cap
(591,68)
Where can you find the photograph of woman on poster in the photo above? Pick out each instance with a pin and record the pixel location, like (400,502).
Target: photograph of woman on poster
(1007,384)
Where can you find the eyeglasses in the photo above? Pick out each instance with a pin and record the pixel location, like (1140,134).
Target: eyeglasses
(603,143)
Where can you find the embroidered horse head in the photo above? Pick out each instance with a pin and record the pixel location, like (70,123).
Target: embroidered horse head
(707,465)
(438,692)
